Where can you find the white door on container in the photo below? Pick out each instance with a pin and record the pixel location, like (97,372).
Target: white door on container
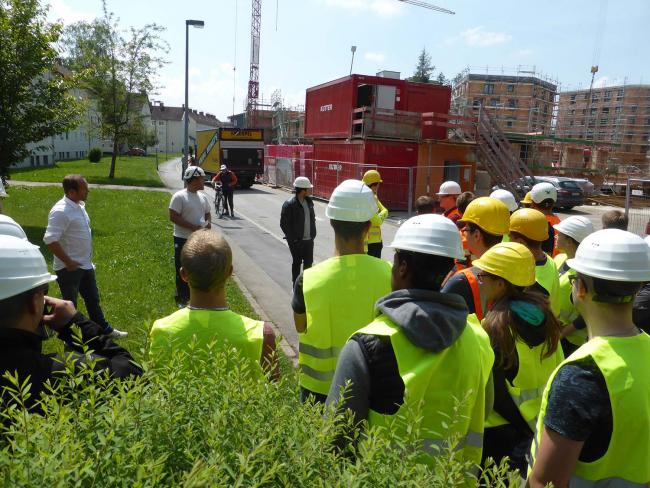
(385,97)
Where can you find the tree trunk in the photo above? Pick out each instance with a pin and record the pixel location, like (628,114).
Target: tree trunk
(111,173)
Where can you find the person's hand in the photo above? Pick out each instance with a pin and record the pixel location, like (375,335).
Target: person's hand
(72,265)
(61,313)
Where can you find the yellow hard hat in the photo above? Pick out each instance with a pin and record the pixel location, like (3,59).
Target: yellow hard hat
(528,198)
(509,260)
(488,213)
(529,223)
(371,177)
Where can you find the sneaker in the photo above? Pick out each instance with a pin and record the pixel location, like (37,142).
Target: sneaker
(117,334)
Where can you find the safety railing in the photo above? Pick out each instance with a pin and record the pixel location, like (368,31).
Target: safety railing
(637,205)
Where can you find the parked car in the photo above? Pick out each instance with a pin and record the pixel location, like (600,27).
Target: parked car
(137,151)
(585,185)
(569,193)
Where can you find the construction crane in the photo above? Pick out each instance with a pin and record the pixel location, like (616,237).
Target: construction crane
(252,99)
(594,62)
(420,3)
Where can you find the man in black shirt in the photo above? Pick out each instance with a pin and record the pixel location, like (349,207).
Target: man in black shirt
(298,222)
(25,309)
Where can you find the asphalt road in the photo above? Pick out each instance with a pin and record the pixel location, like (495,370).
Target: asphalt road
(262,261)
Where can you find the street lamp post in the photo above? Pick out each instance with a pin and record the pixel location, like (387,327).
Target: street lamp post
(199,25)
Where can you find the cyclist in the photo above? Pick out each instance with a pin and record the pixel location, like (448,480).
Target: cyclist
(228,180)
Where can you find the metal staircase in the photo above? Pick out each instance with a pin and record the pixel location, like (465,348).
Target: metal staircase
(498,156)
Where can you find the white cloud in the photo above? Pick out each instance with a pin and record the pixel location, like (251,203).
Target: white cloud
(373,56)
(383,8)
(60,11)
(479,37)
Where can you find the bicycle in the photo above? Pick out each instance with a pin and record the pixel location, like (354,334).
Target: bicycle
(218,200)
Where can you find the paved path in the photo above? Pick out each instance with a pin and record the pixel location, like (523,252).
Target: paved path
(90,185)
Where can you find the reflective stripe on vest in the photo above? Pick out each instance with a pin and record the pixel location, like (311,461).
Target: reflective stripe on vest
(189,328)
(433,383)
(547,276)
(340,295)
(476,292)
(624,363)
(528,386)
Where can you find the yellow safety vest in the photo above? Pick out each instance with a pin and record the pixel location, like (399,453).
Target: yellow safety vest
(374,234)
(568,312)
(547,276)
(434,382)
(528,386)
(197,328)
(624,363)
(340,295)
(559,261)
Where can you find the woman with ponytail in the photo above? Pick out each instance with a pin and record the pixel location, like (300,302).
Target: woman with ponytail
(524,335)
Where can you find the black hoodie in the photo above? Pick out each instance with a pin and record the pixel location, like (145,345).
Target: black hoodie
(430,320)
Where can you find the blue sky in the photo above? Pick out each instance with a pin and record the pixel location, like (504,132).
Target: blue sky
(311,43)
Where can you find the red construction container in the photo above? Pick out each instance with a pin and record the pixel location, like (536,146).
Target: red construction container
(329,108)
(339,160)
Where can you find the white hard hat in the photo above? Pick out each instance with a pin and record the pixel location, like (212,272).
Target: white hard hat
(647,240)
(576,227)
(302,182)
(614,255)
(449,188)
(351,201)
(543,191)
(506,197)
(223,166)
(22,267)
(9,227)
(193,171)
(429,234)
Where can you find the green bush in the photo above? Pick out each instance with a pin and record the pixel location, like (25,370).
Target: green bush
(95,155)
(204,420)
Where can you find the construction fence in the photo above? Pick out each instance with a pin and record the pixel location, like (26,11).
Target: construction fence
(401,184)
(637,205)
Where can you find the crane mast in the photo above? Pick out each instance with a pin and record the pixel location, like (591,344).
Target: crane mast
(252,99)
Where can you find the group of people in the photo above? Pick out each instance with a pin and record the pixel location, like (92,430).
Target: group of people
(492,341)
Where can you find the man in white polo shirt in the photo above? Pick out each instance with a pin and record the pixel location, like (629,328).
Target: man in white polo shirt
(189,210)
(69,237)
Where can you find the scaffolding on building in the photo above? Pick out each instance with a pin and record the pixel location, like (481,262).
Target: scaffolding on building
(288,121)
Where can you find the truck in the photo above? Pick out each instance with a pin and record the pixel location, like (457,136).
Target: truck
(241,150)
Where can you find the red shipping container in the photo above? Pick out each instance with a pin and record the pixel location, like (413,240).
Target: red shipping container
(329,107)
(338,160)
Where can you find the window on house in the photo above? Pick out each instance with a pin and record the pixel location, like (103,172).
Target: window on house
(571,123)
(603,121)
(608,96)
(618,110)
(494,102)
(38,160)
(631,120)
(31,160)
(627,148)
(512,103)
(67,154)
(66,136)
(46,159)
(488,88)
(605,110)
(643,149)
(633,109)
(619,95)
(595,97)
(647,121)
(593,111)
(572,111)
(510,122)
(511,88)
(572,100)
(477,102)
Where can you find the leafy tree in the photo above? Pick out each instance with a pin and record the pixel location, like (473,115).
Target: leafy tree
(424,69)
(442,80)
(141,135)
(35,94)
(119,67)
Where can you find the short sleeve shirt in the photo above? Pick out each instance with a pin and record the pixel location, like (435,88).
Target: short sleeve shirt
(192,206)
(69,225)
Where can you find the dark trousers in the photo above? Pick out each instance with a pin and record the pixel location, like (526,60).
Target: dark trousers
(374,249)
(182,288)
(305,394)
(83,282)
(302,253)
(228,202)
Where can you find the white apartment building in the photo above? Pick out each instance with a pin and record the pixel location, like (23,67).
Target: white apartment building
(169,124)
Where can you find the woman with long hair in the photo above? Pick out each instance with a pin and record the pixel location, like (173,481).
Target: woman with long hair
(524,335)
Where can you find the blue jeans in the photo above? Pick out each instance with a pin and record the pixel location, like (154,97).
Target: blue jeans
(83,282)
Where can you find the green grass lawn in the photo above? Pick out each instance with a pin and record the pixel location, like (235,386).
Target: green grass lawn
(129,170)
(133,252)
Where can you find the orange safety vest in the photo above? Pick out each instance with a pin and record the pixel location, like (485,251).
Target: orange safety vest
(453,214)
(476,292)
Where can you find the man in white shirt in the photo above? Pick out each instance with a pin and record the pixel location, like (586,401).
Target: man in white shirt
(69,237)
(189,210)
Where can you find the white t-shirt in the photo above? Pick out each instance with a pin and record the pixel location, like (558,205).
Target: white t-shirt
(69,225)
(192,207)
